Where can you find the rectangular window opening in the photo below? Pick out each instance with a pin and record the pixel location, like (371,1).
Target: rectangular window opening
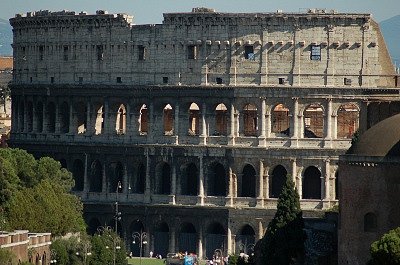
(218,80)
(41,53)
(315,53)
(100,54)
(80,80)
(347,81)
(165,80)
(142,52)
(281,80)
(65,53)
(52,79)
(249,52)
(119,79)
(192,52)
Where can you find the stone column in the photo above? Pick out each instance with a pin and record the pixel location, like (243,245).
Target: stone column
(327,179)
(201,182)
(71,129)
(328,124)
(25,115)
(200,243)
(294,130)
(45,121)
(260,228)
(89,128)
(151,126)
(176,124)
(173,184)
(266,183)
(230,188)
(229,239)
(203,135)
(128,125)
(104,180)
(125,182)
(106,119)
(172,239)
(147,191)
(231,137)
(57,117)
(86,187)
(260,195)
(262,136)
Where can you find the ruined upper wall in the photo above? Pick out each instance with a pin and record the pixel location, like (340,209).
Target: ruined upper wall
(202,47)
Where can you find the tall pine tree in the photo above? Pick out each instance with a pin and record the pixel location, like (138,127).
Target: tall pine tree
(283,242)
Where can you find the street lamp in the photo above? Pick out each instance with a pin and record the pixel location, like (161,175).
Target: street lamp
(107,230)
(247,248)
(86,252)
(117,216)
(53,256)
(141,238)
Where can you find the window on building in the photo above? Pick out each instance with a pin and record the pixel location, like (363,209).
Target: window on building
(80,80)
(165,80)
(315,53)
(281,80)
(41,53)
(370,222)
(119,79)
(218,80)
(141,52)
(347,81)
(65,53)
(192,52)
(100,53)
(249,52)
(52,79)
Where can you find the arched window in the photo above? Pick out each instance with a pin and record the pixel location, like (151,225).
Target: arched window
(120,123)
(163,179)
(370,222)
(347,121)
(221,120)
(51,117)
(99,124)
(189,180)
(78,171)
(143,120)
(80,117)
(278,179)
(96,177)
(194,119)
(312,183)
(39,117)
(161,239)
(64,117)
(116,176)
(217,180)
(140,179)
(168,117)
(250,120)
(248,185)
(29,115)
(187,238)
(245,240)
(314,121)
(280,124)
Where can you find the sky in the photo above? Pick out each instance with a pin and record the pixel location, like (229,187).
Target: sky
(150,11)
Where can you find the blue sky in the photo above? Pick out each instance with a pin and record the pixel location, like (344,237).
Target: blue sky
(150,11)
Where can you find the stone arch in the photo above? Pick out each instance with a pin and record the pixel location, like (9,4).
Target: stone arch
(161,239)
(280,122)
(278,179)
(194,119)
(99,120)
(189,180)
(245,240)
(64,117)
(312,183)
(347,120)
(163,178)
(39,117)
(370,222)
(78,172)
(187,238)
(314,121)
(140,180)
(96,177)
(116,176)
(250,120)
(221,120)
(136,228)
(168,120)
(29,116)
(215,238)
(80,116)
(93,226)
(120,122)
(217,180)
(51,117)
(143,120)
(248,182)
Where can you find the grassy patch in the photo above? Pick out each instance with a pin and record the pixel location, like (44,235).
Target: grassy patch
(146,261)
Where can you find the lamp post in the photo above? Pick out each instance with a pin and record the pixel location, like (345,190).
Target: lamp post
(53,257)
(247,248)
(141,237)
(117,216)
(107,230)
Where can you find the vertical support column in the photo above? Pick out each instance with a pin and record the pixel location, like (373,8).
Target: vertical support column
(45,121)
(85,175)
(106,119)
(231,137)
(296,178)
(295,123)
(71,129)
(328,124)
(230,188)
(229,239)
(125,181)
(128,125)
(150,126)
(16,117)
(363,123)
(201,182)
(104,179)
(172,239)
(266,183)
(327,179)
(260,195)
(261,138)
(57,117)
(89,126)
(176,123)
(25,115)
(148,187)
(260,228)
(173,184)
(203,136)
(200,243)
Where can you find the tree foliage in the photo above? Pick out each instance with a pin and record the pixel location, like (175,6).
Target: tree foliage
(386,250)
(283,242)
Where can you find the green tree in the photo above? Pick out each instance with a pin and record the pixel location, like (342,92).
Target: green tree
(106,246)
(283,242)
(386,250)
(7,257)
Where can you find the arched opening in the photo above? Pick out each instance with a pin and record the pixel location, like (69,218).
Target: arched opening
(29,116)
(245,240)
(278,179)
(215,239)
(370,222)
(51,117)
(120,123)
(163,178)
(189,180)
(96,177)
(187,238)
(217,180)
(347,121)
(280,124)
(93,226)
(136,230)
(221,120)
(116,177)
(64,117)
(80,117)
(194,119)
(39,117)
(78,172)
(44,258)
(248,185)
(99,123)
(312,183)
(140,179)
(21,116)
(314,121)
(168,120)
(250,120)
(143,120)
(161,239)
(63,163)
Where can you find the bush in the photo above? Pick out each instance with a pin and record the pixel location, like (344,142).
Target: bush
(386,250)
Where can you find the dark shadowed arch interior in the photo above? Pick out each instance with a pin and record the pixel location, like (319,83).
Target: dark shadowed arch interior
(143,120)
(96,177)
(93,225)
(140,179)
(51,117)
(312,183)
(168,120)
(116,176)
(80,117)
(64,117)
(370,222)
(63,163)
(278,179)
(217,180)
(187,238)
(136,229)
(248,183)
(189,180)
(163,178)
(29,112)
(78,171)
(161,239)
(39,117)
(215,238)
(245,240)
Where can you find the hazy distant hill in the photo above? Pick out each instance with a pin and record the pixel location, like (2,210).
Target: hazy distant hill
(5,37)
(391,32)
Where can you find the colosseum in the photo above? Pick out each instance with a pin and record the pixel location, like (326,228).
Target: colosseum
(190,127)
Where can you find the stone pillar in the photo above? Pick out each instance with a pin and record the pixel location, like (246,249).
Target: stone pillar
(231,137)
(261,138)
(173,184)
(296,178)
(176,124)
(200,243)
(71,129)
(128,125)
(266,183)
(172,239)
(147,190)
(294,130)
(25,115)
(45,121)
(328,124)
(151,126)
(229,239)
(230,188)
(125,182)
(104,180)
(106,119)
(57,117)
(327,179)
(203,135)
(260,195)
(201,182)
(260,228)
(89,128)
(85,175)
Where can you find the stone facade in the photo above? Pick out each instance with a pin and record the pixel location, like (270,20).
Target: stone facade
(201,118)
(6,66)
